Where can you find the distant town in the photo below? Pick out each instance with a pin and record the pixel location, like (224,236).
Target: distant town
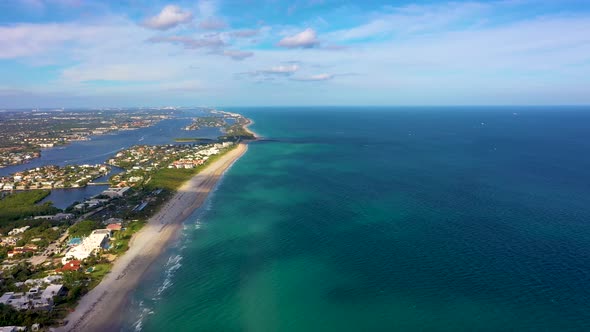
(52,177)
(23,134)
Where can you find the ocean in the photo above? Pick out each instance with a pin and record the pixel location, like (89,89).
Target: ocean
(388,219)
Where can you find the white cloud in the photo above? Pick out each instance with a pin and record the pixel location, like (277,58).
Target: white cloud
(27,39)
(273,72)
(282,69)
(312,78)
(305,39)
(168,18)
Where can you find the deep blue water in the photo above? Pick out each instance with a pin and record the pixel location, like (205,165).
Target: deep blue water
(376,219)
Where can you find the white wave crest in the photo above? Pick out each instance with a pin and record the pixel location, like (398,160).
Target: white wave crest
(172,266)
(143,313)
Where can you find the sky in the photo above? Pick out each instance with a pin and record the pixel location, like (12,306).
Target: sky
(77,53)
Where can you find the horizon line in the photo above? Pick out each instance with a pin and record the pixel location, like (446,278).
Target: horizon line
(4,109)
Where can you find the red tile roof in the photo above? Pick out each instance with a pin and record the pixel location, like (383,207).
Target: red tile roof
(73,265)
(114,227)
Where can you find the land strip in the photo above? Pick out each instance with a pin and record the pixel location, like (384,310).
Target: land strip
(100,309)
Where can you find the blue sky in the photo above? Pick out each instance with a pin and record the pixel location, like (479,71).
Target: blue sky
(69,53)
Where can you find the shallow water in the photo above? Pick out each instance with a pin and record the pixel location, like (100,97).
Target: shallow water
(372,219)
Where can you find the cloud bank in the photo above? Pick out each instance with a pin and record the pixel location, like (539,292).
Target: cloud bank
(209,52)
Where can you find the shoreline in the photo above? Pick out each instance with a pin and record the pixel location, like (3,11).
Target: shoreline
(247,127)
(101,308)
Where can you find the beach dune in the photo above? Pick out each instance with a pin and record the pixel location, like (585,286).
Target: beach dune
(102,307)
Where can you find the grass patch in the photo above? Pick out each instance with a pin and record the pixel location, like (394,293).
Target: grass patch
(122,237)
(170,178)
(100,270)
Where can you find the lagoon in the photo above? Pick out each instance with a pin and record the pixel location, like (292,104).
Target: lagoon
(99,148)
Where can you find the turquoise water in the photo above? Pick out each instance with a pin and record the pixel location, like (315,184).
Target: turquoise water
(365,219)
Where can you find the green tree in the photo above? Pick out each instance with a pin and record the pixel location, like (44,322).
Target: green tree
(83,228)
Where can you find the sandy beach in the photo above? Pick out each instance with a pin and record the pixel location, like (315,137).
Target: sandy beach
(248,129)
(100,309)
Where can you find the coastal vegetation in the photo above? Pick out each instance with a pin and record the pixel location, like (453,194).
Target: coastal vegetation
(12,317)
(98,271)
(170,178)
(233,125)
(41,235)
(236,132)
(83,228)
(20,205)
(121,241)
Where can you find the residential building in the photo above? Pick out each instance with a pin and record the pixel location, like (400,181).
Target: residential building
(115,192)
(96,241)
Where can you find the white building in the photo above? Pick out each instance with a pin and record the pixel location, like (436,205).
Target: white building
(115,192)
(134,179)
(94,242)
(12,328)
(35,298)
(52,291)
(16,231)
(53,279)
(56,217)
(91,203)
